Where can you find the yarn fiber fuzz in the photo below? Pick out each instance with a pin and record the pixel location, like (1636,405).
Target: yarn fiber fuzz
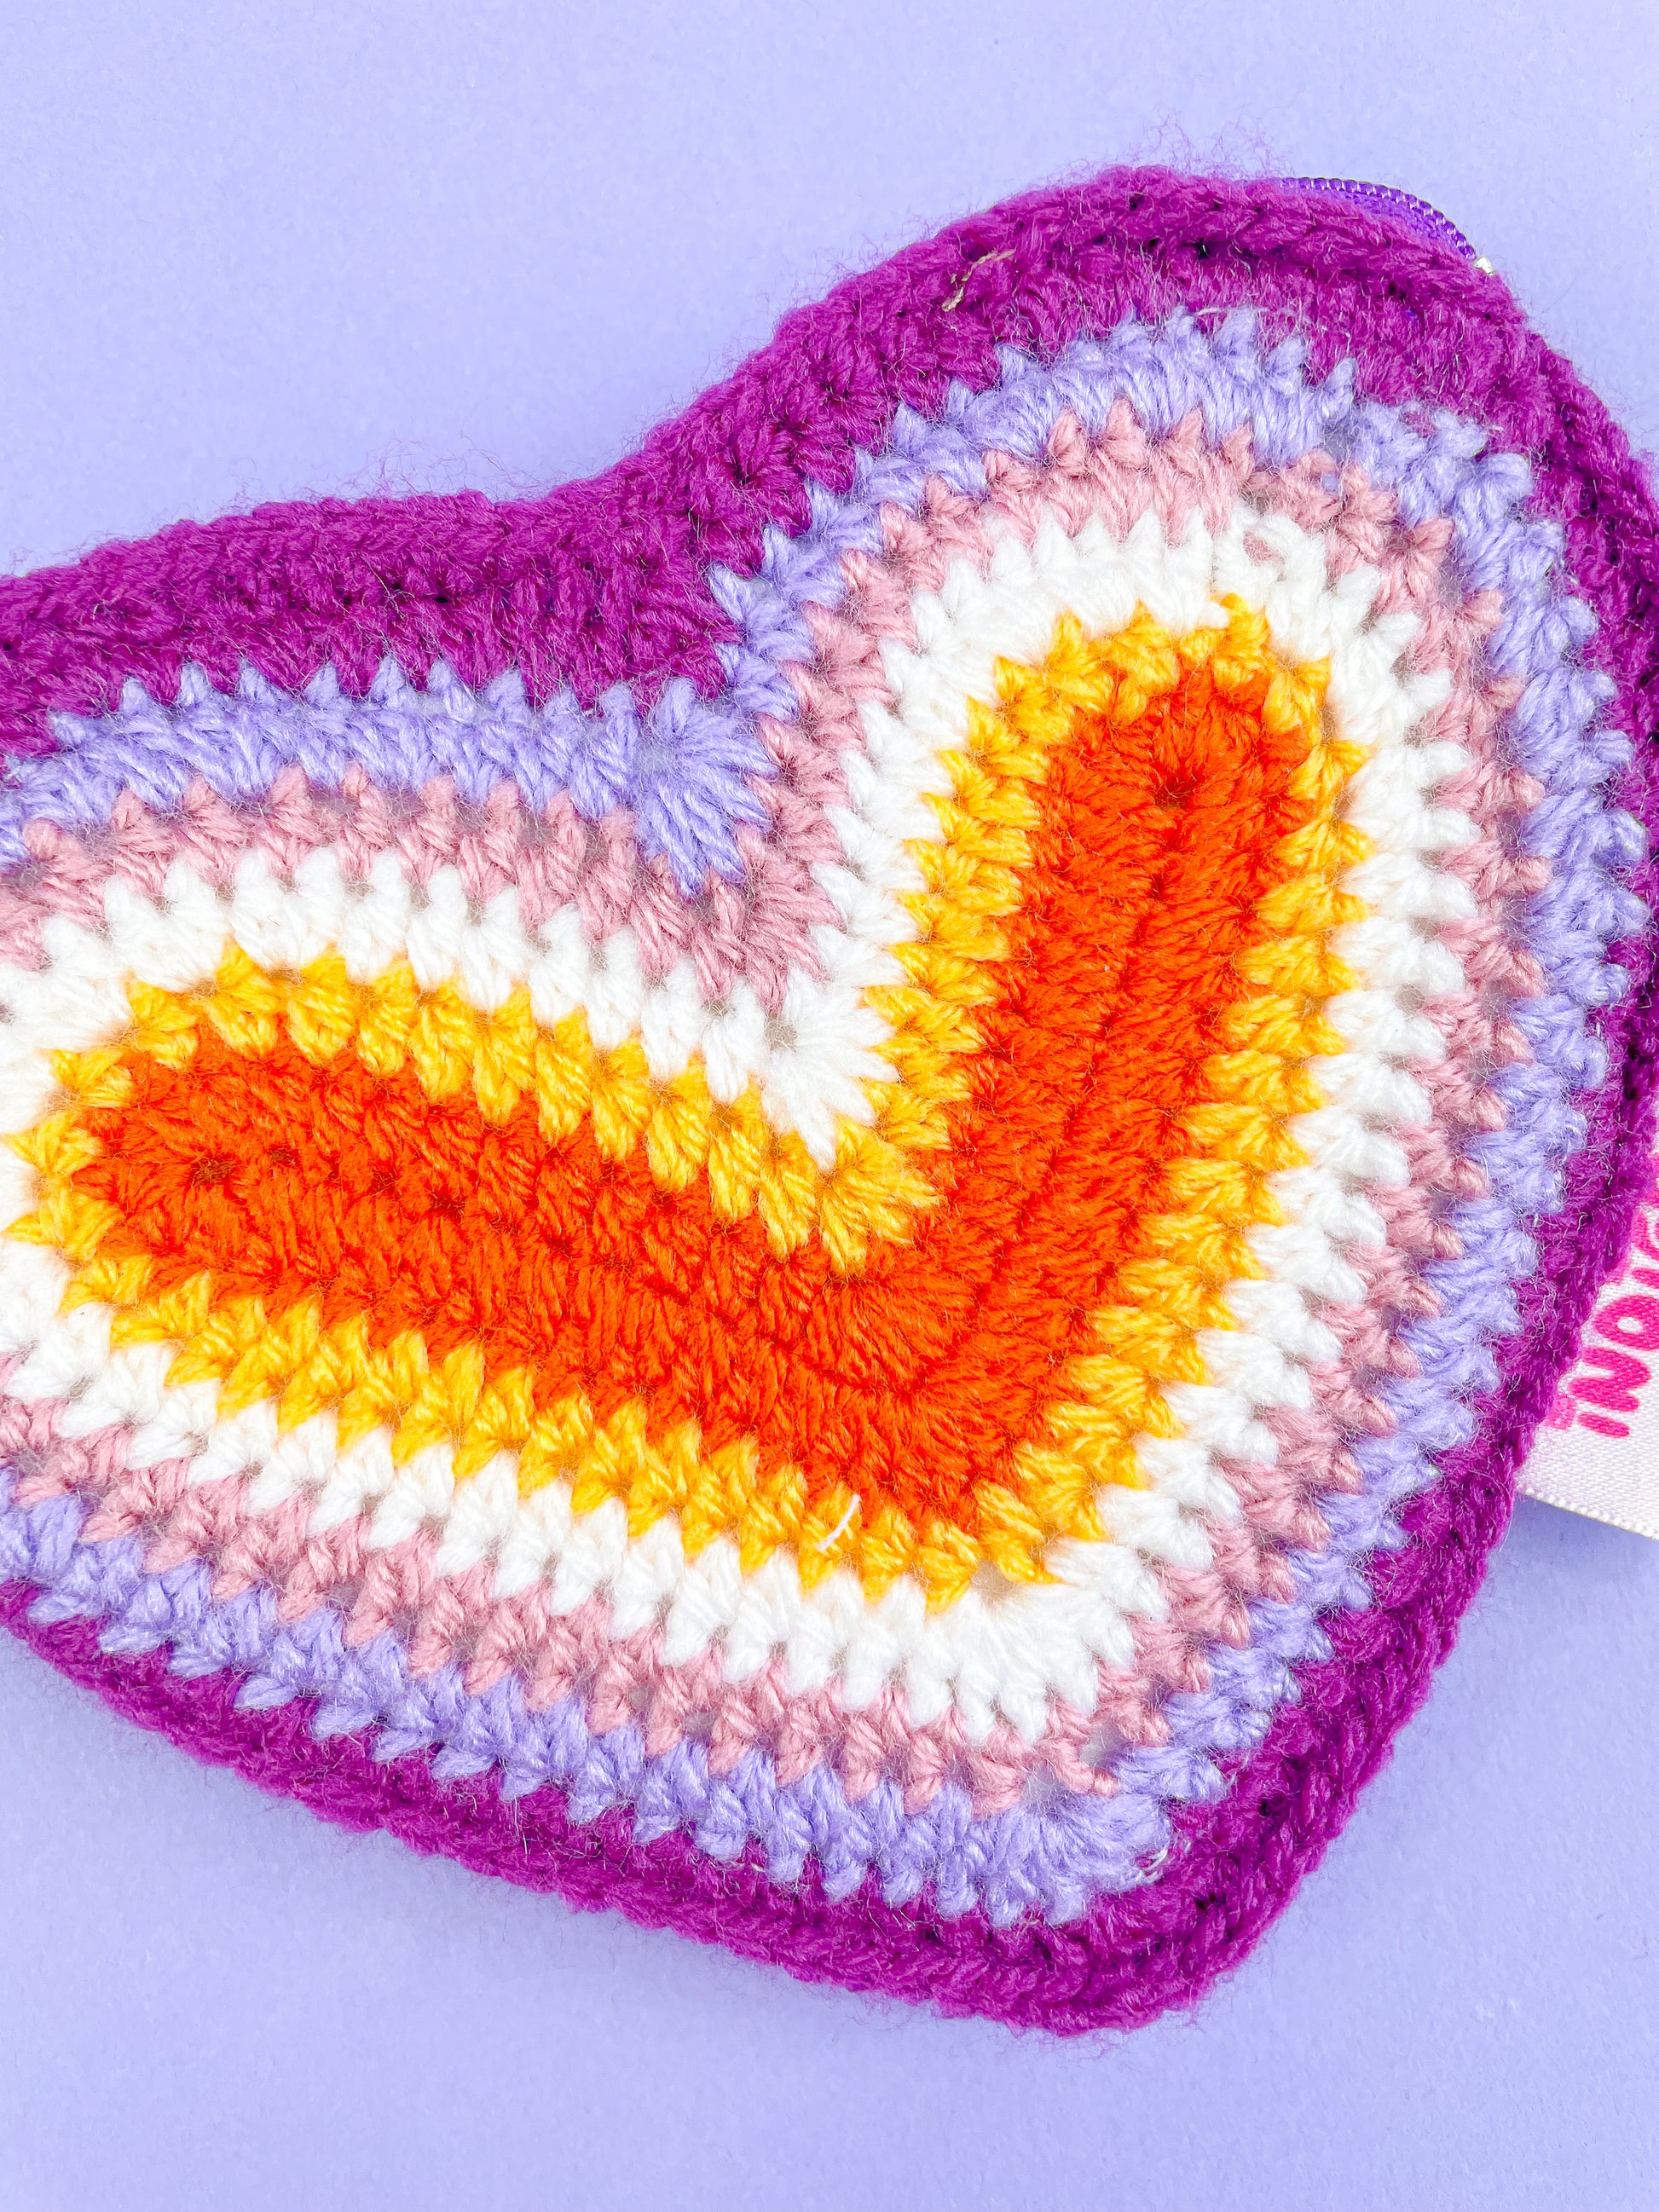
(822,1190)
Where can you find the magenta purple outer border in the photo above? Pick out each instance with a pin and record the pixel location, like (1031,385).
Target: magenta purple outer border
(605,580)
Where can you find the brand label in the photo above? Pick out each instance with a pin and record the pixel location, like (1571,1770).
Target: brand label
(1597,1451)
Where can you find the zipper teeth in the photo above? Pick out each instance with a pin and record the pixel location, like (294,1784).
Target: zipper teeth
(1388,199)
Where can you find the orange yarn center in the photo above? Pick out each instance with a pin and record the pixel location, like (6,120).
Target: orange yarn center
(912,1383)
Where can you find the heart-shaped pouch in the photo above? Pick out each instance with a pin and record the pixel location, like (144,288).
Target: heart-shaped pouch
(822,1190)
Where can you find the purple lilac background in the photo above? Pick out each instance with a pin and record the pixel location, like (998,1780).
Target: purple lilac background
(417,246)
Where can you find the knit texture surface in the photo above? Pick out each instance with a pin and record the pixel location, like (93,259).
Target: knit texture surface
(822,1190)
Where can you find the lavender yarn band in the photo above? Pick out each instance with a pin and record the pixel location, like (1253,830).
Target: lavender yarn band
(680,764)
(1131,241)
(683,768)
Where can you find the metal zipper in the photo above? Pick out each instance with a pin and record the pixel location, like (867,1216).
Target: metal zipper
(1404,207)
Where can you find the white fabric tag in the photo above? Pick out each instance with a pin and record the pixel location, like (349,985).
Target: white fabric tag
(1597,1451)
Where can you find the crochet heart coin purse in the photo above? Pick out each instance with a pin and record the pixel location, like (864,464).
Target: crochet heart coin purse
(823,1190)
